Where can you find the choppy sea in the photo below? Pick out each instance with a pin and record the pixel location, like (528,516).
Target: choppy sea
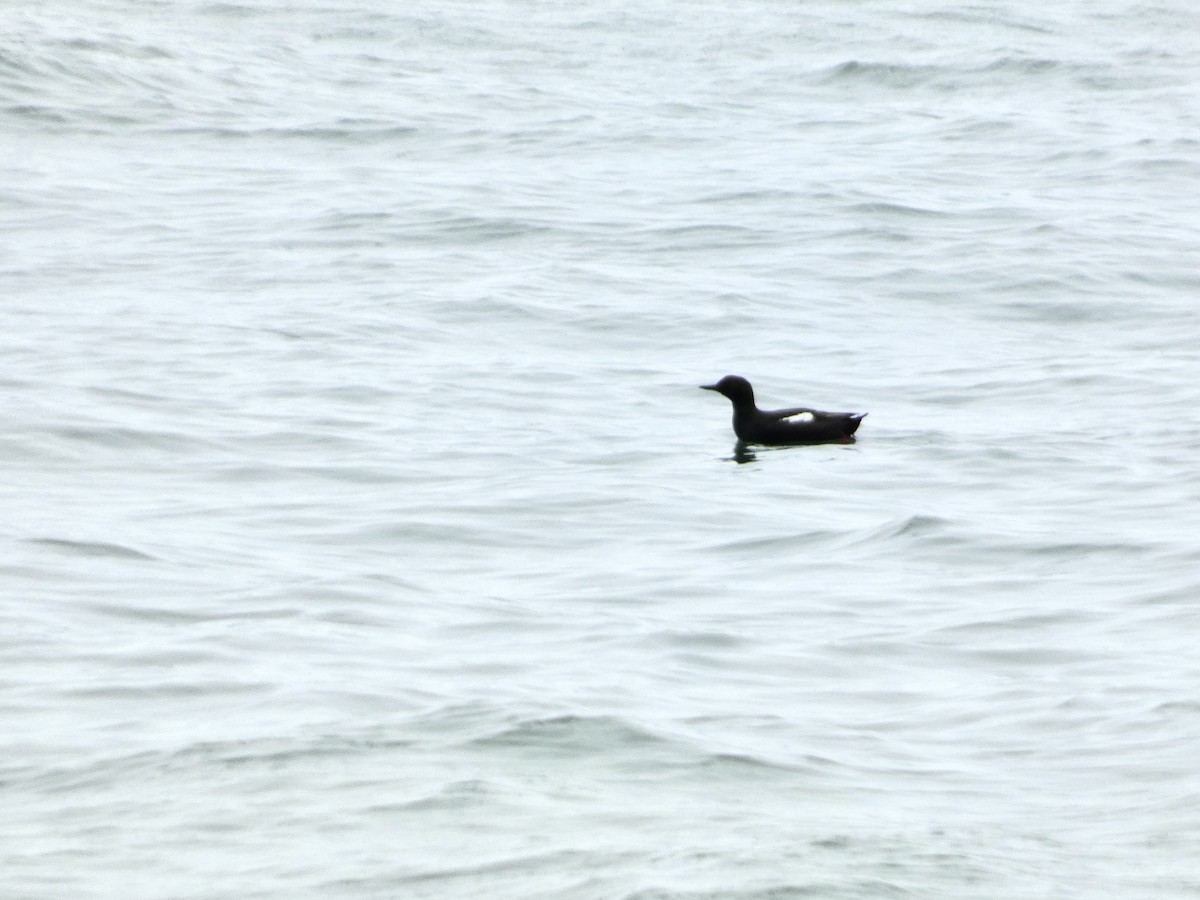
(365,533)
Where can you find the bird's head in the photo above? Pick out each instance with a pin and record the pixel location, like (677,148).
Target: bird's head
(735,387)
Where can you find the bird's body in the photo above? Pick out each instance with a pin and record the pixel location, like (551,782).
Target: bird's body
(783,426)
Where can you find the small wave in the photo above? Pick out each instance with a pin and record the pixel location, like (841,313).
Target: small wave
(1077,549)
(92,548)
(123,437)
(1019,66)
(202,755)
(354,131)
(909,526)
(471,229)
(517,869)
(274,473)
(869,233)
(1018,622)
(783,890)
(621,744)
(234,11)
(454,795)
(1180,595)
(163,690)
(755,196)
(1063,311)
(881,208)
(708,236)
(758,545)
(884,74)
(979,15)
(1002,71)
(40,114)
(701,229)
(584,735)
(123,48)
(1025,655)
(700,640)
(741,764)
(186,616)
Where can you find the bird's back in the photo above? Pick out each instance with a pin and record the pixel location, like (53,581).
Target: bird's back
(816,427)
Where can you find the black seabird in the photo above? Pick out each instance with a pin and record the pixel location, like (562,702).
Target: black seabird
(773,427)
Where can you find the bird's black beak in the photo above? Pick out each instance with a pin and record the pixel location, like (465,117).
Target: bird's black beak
(708,387)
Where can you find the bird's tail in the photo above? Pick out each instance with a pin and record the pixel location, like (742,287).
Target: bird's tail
(853,422)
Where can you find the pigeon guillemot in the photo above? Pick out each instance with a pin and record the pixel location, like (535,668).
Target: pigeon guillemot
(760,426)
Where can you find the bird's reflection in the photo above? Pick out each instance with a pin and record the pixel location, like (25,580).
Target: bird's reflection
(747,453)
(742,453)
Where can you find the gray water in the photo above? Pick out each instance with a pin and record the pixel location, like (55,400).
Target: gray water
(366,535)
